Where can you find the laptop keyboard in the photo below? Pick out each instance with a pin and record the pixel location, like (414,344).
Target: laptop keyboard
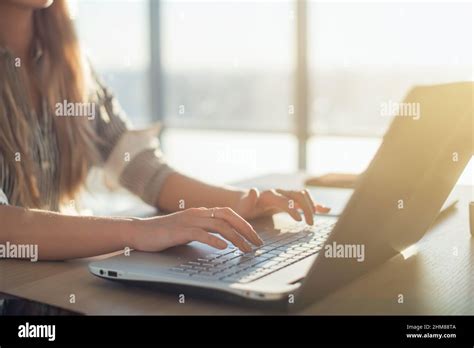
(279,251)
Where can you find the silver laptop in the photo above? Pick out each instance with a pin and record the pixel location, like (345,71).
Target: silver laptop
(393,205)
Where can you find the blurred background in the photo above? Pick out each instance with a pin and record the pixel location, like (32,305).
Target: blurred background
(228,79)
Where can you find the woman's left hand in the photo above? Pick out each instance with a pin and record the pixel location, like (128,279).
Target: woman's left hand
(255,204)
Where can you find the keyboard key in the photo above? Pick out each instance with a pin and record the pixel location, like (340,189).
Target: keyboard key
(275,239)
(273,253)
(292,252)
(301,248)
(205,273)
(227,274)
(186,266)
(218,261)
(259,252)
(177,269)
(268,264)
(200,268)
(287,262)
(208,258)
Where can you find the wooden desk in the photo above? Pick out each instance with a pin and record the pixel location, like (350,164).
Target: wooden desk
(438,279)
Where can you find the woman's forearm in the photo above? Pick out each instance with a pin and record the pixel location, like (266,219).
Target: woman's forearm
(61,237)
(181,192)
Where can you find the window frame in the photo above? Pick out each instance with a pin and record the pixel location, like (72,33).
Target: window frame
(301,127)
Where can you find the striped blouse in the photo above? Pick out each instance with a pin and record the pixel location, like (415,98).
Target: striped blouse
(142,172)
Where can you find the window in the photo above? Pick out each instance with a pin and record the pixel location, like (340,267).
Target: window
(227,65)
(115,36)
(226,74)
(362,55)
(366,54)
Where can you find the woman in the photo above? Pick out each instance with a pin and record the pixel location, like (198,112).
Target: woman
(45,156)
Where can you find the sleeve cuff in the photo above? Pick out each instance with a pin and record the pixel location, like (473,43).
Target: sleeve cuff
(3,198)
(145,175)
(137,164)
(130,144)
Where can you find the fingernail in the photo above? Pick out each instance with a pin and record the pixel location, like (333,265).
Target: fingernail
(323,209)
(257,240)
(222,244)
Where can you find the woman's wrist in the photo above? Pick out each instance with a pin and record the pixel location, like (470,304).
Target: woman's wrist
(128,232)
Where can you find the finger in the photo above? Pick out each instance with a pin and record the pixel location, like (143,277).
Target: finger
(310,200)
(239,224)
(322,209)
(197,234)
(311,206)
(225,230)
(280,202)
(318,208)
(303,202)
(307,205)
(235,220)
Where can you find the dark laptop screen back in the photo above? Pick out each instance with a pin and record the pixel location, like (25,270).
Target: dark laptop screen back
(404,188)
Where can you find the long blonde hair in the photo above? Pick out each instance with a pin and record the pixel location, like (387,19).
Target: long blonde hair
(60,75)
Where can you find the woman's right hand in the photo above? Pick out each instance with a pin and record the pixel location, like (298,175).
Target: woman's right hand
(194,224)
